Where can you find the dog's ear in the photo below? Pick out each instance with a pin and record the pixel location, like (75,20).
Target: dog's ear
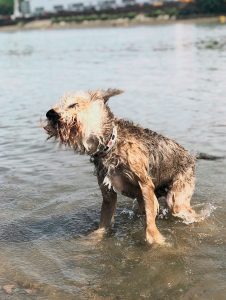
(105,94)
(110,93)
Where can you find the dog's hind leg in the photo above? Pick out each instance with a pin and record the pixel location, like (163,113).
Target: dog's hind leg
(179,197)
(151,209)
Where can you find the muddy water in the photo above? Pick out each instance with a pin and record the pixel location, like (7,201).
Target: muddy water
(174,77)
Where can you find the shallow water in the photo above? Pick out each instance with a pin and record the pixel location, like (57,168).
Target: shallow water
(174,78)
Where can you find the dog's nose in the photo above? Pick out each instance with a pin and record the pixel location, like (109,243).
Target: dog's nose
(52,115)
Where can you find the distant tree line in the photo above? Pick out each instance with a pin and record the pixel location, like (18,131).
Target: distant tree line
(210,6)
(6,7)
(201,6)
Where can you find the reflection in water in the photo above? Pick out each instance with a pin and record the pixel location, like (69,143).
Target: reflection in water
(49,197)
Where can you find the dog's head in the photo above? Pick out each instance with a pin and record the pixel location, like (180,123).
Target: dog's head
(81,118)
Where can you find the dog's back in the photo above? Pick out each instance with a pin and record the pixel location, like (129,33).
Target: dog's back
(167,159)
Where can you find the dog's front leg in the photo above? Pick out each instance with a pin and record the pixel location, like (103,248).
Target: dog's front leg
(108,206)
(151,209)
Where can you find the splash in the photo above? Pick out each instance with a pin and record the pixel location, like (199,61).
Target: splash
(128,212)
(189,218)
(207,210)
(163,213)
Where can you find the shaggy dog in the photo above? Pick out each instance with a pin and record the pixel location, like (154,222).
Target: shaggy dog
(136,162)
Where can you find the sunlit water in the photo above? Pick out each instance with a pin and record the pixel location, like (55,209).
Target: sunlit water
(174,78)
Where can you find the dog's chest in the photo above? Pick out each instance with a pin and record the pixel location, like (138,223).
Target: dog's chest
(121,185)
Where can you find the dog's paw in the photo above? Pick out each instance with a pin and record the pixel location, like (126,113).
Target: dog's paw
(94,238)
(98,234)
(156,238)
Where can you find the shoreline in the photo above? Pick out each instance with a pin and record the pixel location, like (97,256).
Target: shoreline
(140,20)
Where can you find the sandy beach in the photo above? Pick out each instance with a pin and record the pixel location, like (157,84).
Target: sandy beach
(139,20)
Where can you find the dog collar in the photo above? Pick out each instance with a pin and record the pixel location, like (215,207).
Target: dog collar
(102,149)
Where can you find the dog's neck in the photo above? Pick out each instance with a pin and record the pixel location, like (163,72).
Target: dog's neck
(104,148)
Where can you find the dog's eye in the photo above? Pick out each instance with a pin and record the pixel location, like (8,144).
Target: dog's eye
(72,105)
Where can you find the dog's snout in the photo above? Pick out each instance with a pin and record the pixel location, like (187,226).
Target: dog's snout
(52,115)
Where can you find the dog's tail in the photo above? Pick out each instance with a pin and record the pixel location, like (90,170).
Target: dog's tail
(206,156)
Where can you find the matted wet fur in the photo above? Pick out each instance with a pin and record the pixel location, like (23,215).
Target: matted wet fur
(140,163)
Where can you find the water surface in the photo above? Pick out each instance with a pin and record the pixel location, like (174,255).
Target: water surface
(174,78)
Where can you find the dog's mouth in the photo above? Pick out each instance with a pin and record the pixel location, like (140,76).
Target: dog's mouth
(60,131)
(56,128)
(51,129)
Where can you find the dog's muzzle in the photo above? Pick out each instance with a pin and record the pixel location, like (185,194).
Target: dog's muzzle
(53,116)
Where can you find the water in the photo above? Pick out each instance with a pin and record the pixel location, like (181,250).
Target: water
(174,78)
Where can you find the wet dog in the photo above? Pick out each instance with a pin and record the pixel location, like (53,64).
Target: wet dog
(136,162)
